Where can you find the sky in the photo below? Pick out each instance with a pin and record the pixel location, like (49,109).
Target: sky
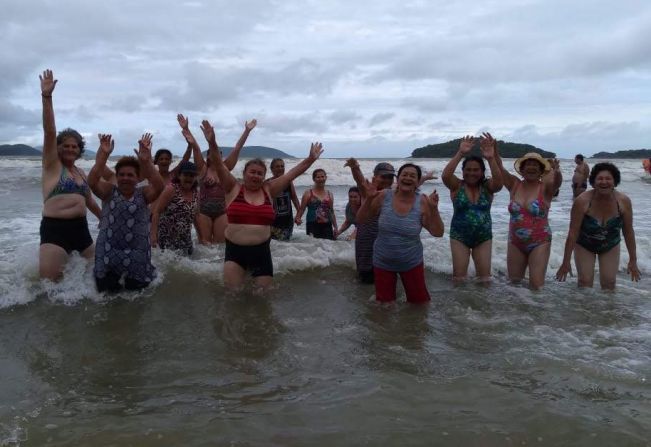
(367,78)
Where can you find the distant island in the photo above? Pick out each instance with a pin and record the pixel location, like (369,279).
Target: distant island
(507,150)
(23,150)
(632,153)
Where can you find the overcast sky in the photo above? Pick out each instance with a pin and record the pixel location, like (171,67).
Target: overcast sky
(368,78)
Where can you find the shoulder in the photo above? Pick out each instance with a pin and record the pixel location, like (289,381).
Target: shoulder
(623,199)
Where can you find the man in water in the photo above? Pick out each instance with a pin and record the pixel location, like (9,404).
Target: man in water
(580,178)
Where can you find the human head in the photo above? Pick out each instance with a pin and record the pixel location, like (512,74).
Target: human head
(318,171)
(604,166)
(163,152)
(383,175)
(578,159)
(473,165)
(71,133)
(277,167)
(127,161)
(187,175)
(127,172)
(525,159)
(419,171)
(254,172)
(354,195)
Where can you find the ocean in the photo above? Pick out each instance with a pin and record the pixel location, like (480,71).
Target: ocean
(317,361)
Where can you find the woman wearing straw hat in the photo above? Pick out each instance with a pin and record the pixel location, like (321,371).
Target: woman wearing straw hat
(529,233)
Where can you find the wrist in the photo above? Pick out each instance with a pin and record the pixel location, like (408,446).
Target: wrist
(46,96)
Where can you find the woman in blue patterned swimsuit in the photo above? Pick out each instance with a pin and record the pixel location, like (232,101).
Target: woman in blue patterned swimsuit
(123,250)
(597,218)
(471,227)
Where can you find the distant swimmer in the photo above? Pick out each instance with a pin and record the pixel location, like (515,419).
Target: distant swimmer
(250,214)
(471,228)
(66,195)
(320,221)
(123,254)
(283,226)
(580,177)
(398,250)
(597,218)
(530,236)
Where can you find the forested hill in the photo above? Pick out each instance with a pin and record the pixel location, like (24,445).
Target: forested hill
(258,152)
(18,150)
(632,153)
(506,150)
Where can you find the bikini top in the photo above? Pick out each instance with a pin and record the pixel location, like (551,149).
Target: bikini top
(536,208)
(68,185)
(240,211)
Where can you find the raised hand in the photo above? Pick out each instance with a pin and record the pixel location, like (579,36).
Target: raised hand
(428,175)
(466,144)
(106,144)
(488,145)
(433,200)
(556,164)
(351,163)
(144,148)
(183,121)
(249,125)
(47,83)
(316,149)
(208,130)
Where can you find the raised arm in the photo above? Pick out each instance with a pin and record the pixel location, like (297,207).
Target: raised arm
(553,179)
(225,177)
(50,154)
(232,158)
(488,147)
(160,206)
(358,176)
(427,175)
(371,206)
(148,170)
(430,216)
(99,186)
(278,185)
(576,217)
(629,238)
(449,179)
(192,143)
(509,180)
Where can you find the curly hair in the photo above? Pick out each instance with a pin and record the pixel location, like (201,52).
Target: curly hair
(72,133)
(128,160)
(604,166)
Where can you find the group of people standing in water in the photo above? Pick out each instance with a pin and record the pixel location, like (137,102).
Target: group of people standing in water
(145,204)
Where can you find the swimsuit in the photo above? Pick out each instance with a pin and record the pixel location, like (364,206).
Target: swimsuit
(212,198)
(319,217)
(471,223)
(254,258)
(68,185)
(366,235)
(529,226)
(598,238)
(123,244)
(240,211)
(175,224)
(283,225)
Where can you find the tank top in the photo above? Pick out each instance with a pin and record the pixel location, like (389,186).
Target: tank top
(398,247)
(240,211)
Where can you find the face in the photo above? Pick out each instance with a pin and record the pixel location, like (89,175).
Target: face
(186,180)
(254,176)
(354,198)
(278,168)
(127,179)
(320,178)
(164,161)
(408,179)
(383,181)
(531,169)
(604,182)
(577,160)
(472,172)
(69,150)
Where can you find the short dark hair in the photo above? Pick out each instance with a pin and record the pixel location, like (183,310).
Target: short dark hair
(316,171)
(579,157)
(72,133)
(160,152)
(126,161)
(419,171)
(274,160)
(604,166)
(353,189)
(482,165)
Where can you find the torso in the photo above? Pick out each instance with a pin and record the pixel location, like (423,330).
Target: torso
(175,225)
(319,208)
(64,193)
(250,215)
(600,233)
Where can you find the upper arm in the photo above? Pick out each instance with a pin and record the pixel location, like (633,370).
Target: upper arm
(164,199)
(102,189)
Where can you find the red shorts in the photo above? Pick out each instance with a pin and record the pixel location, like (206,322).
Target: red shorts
(412,280)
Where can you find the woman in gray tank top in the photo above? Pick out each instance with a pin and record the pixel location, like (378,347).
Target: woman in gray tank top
(398,250)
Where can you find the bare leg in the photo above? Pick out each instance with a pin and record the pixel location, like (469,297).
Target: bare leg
(538,260)
(481,255)
(584,261)
(516,263)
(460,260)
(89,253)
(218,228)
(263,283)
(234,276)
(51,261)
(204,228)
(608,266)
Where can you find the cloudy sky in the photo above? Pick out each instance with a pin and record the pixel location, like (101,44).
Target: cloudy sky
(368,78)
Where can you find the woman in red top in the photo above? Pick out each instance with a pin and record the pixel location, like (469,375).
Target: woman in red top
(250,214)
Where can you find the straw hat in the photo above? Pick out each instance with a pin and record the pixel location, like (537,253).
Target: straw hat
(532,156)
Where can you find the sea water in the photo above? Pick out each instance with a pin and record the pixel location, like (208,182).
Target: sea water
(317,361)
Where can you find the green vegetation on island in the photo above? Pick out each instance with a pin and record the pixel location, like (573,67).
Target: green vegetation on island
(18,150)
(506,150)
(631,153)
